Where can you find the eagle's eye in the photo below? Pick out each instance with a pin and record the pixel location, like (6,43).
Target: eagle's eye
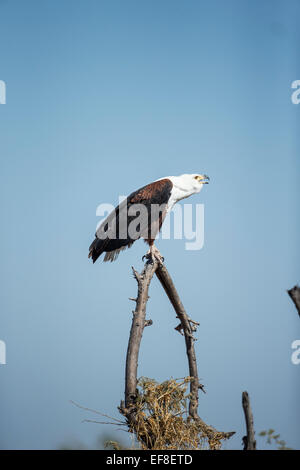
(203,179)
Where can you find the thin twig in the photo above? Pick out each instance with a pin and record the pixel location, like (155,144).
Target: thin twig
(102,422)
(95,411)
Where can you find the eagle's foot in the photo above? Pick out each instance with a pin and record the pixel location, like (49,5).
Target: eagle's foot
(153,255)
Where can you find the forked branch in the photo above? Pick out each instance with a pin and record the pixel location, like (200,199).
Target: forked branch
(187,326)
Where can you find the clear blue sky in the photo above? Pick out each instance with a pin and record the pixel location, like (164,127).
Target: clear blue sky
(103,97)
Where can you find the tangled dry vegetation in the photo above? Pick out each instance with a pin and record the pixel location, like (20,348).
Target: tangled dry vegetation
(162,421)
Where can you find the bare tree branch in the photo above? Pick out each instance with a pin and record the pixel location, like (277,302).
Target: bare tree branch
(249,439)
(138,324)
(189,326)
(167,283)
(294,294)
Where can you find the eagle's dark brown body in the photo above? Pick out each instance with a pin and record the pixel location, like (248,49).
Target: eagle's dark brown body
(157,193)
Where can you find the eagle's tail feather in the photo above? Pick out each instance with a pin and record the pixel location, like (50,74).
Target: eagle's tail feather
(96,249)
(113,254)
(112,251)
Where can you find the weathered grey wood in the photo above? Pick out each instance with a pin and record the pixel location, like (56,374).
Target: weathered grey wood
(187,325)
(136,332)
(249,439)
(167,283)
(294,294)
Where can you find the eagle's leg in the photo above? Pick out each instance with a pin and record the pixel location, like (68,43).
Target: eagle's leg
(153,253)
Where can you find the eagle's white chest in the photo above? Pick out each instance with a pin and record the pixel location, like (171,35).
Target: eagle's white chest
(177,194)
(183,187)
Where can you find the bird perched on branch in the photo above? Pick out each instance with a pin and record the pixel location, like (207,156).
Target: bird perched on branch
(141,215)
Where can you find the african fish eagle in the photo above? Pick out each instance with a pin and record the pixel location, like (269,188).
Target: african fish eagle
(113,235)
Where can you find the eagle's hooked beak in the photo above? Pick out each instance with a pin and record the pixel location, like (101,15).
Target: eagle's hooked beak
(204,179)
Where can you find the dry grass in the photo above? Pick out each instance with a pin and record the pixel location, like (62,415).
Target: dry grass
(162,420)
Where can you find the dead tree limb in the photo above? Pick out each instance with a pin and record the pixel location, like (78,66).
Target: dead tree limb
(248,440)
(187,325)
(294,294)
(143,279)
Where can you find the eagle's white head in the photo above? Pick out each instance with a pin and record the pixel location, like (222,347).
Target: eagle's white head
(186,185)
(190,182)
